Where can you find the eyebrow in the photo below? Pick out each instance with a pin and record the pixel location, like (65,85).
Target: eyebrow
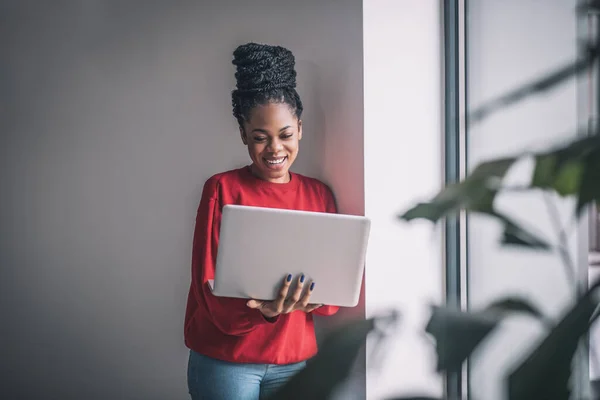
(264,131)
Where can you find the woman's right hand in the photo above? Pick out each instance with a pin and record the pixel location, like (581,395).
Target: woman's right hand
(284,304)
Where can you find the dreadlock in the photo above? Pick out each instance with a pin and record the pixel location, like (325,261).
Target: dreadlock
(265,74)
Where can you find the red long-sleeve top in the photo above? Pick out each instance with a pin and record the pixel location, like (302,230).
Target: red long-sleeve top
(226,328)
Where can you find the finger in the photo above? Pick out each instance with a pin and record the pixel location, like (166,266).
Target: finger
(291,301)
(306,298)
(255,303)
(283,292)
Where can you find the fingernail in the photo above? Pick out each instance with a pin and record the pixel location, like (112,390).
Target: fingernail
(302,279)
(312,286)
(289,277)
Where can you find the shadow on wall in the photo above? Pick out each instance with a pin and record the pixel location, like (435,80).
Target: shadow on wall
(313,119)
(326,119)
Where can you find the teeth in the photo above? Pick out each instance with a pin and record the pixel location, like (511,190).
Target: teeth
(278,161)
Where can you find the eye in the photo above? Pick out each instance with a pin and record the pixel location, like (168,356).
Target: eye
(259,139)
(286,135)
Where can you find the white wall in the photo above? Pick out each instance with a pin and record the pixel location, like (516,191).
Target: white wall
(403,155)
(509,43)
(114,113)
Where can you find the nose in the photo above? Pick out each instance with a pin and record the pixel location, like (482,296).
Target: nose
(275,145)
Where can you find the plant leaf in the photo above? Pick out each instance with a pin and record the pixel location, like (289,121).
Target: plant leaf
(543,84)
(543,173)
(510,305)
(428,211)
(457,334)
(562,168)
(545,373)
(568,179)
(475,193)
(511,238)
(573,169)
(331,366)
(588,7)
(417,398)
(589,187)
(514,235)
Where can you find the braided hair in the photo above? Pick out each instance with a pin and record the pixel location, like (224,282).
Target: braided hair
(265,74)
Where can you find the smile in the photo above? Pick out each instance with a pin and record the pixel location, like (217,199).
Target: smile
(275,161)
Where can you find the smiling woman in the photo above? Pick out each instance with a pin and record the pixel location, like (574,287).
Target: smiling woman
(268,108)
(272,135)
(247,349)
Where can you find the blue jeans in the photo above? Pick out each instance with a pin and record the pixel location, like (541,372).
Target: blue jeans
(211,379)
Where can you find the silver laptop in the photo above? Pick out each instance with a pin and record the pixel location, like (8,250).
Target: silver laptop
(259,246)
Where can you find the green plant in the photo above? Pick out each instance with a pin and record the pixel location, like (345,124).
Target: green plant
(569,169)
(572,169)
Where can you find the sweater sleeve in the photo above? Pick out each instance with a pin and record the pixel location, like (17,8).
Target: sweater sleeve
(231,316)
(330,207)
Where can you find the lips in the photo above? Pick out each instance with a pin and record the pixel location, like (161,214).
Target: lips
(275,162)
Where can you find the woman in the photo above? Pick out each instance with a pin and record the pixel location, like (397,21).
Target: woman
(248,349)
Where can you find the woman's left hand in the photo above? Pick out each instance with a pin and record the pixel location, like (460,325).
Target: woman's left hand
(284,304)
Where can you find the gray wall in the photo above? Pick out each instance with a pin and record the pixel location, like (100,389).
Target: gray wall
(112,116)
(510,43)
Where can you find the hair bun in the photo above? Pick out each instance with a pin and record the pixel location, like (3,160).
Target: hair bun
(262,67)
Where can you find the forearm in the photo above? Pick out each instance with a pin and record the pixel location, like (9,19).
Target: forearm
(232,316)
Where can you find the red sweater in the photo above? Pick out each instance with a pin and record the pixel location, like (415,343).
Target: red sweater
(225,328)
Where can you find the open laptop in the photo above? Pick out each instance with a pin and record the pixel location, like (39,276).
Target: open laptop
(259,246)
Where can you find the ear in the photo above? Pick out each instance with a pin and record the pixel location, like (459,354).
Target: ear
(299,129)
(243,136)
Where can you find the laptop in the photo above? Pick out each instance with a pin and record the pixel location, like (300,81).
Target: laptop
(259,246)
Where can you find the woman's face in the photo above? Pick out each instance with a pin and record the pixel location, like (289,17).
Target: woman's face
(272,135)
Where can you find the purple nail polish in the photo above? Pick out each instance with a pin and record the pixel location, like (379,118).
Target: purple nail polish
(312,286)
(289,277)
(302,279)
